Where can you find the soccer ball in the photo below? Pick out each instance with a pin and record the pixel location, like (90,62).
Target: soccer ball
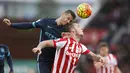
(84,10)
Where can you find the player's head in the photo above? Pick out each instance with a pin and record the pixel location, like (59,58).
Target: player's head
(66,17)
(74,30)
(104,49)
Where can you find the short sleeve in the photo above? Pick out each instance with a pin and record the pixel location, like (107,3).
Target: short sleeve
(39,23)
(84,50)
(59,43)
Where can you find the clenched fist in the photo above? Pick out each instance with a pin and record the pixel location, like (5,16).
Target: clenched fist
(7,21)
(37,51)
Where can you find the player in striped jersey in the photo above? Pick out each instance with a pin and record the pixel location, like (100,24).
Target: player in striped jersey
(68,50)
(111,65)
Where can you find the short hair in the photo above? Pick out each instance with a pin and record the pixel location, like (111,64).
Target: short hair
(67,28)
(103,44)
(71,12)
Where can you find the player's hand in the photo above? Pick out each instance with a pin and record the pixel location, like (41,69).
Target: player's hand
(102,60)
(7,21)
(37,51)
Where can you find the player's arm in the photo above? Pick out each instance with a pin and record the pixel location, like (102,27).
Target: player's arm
(24,25)
(47,43)
(97,65)
(9,60)
(58,43)
(96,57)
(42,45)
(118,70)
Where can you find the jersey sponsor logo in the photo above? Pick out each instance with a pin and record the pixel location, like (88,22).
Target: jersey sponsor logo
(74,55)
(50,36)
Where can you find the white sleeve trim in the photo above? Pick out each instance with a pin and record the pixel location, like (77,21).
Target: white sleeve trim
(33,23)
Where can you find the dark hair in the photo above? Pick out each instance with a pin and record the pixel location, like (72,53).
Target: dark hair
(103,44)
(71,12)
(68,27)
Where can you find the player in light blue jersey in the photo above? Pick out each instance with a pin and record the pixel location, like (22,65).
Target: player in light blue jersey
(5,53)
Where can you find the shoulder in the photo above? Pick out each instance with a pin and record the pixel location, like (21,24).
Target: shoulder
(83,46)
(112,56)
(45,19)
(61,39)
(3,46)
(67,40)
(49,19)
(60,42)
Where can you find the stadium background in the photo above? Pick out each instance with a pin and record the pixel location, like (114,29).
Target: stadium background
(110,22)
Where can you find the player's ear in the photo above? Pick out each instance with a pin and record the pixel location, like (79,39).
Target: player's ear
(63,34)
(63,13)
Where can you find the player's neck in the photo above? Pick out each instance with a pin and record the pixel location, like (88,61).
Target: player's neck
(76,38)
(105,55)
(66,37)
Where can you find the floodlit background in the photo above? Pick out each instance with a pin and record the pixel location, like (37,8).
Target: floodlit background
(110,22)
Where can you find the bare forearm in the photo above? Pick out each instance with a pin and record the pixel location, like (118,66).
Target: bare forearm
(94,56)
(118,70)
(41,45)
(97,65)
(47,43)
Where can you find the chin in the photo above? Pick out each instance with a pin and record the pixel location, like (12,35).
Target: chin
(81,34)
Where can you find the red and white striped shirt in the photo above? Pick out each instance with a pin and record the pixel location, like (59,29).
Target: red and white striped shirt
(110,67)
(68,52)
